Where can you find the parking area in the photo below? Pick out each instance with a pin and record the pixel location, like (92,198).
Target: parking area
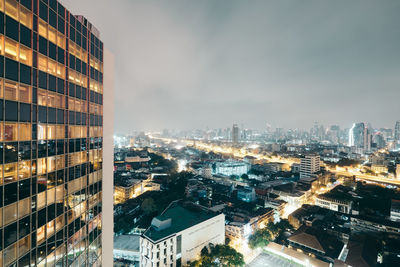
(267,259)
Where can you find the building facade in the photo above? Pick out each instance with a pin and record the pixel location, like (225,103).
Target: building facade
(235,134)
(309,165)
(231,167)
(360,137)
(397,131)
(178,235)
(51,131)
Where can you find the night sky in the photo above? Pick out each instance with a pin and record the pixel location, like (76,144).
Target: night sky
(211,63)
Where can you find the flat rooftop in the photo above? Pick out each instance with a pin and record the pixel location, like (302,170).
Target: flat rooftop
(182,215)
(127,242)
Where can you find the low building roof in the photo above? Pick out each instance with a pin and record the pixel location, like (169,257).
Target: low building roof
(127,242)
(182,215)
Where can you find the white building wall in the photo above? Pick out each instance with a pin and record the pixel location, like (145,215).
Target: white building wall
(108,161)
(200,235)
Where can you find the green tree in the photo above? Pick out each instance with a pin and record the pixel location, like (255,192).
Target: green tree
(219,256)
(148,206)
(260,238)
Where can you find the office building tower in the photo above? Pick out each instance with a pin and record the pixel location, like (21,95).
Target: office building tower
(309,165)
(179,234)
(51,131)
(397,131)
(235,134)
(360,137)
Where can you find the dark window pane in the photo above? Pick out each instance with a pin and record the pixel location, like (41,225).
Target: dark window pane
(42,114)
(25,112)
(25,36)
(11,111)
(11,195)
(12,28)
(11,69)
(24,150)
(25,74)
(10,152)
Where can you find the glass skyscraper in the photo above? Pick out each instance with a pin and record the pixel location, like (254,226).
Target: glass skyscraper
(51,112)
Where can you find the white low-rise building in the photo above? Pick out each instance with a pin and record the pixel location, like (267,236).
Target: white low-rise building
(126,247)
(178,235)
(339,205)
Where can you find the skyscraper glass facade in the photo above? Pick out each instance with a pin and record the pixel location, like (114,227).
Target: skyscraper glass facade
(51,107)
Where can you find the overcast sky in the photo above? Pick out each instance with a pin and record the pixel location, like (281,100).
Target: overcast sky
(211,63)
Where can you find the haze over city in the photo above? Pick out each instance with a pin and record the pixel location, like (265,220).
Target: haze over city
(198,64)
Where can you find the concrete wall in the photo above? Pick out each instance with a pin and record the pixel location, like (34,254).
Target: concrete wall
(108,160)
(200,235)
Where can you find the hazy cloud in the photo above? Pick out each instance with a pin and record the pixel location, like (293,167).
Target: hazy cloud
(186,64)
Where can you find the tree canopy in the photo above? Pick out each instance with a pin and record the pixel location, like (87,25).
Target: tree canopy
(262,237)
(218,256)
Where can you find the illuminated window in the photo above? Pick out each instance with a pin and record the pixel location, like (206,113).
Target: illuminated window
(51,132)
(25,17)
(10,132)
(24,245)
(10,90)
(24,169)
(11,49)
(61,71)
(1,44)
(10,213)
(25,132)
(60,132)
(42,97)
(41,232)
(25,93)
(41,132)
(25,55)
(52,35)
(71,104)
(12,9)
(43,28)
(24,207)
(60,40)
(50,228)
(10,254)
(59,222)
(51,164)
(52,67)
(41,166)
(1,5)
(10,172)
(59,101)
(51,196)
(42,62)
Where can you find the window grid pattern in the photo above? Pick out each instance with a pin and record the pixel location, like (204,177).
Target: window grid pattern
(51,125)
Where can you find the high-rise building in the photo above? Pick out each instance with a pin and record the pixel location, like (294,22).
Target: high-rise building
(235,134)
(309,165)
(360,137)
(397,131)
(51,131)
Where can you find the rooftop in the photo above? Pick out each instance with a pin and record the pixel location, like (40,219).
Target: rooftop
(182,215)
(127,242)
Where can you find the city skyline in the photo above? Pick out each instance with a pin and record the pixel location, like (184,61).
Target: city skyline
(206,64)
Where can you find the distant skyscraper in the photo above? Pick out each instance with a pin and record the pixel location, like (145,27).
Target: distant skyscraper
(397,131)
(359,136)
(235,134)
(309,165)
